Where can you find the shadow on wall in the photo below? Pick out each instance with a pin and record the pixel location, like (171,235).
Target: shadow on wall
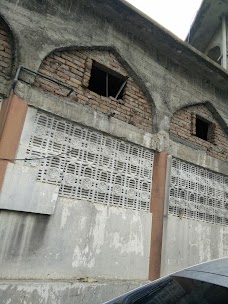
(21,234)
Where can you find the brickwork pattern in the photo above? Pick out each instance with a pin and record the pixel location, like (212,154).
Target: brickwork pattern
(182,125)
(6,50)
(74,67)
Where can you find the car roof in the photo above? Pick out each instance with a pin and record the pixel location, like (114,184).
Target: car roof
(215,272)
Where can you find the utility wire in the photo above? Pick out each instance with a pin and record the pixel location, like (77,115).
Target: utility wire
(36,158)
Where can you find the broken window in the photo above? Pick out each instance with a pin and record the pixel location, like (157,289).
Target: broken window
(106,82)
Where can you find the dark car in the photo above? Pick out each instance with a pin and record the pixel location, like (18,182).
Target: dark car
(205,283)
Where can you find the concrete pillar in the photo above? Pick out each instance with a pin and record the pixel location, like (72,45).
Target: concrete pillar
(157,209)
(13,123)
(224,43)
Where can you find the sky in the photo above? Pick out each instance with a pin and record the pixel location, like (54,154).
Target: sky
(175,15)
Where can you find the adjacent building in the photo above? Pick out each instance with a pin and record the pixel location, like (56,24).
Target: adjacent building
(208,32)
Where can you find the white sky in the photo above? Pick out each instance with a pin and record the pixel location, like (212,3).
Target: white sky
(175,15)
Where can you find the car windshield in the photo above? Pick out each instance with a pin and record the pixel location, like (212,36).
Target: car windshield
(178,290)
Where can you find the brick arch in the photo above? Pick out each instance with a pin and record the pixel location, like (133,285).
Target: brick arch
(183,129)
(73,67)
(7,49)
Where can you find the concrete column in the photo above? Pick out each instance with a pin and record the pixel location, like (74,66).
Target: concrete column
(11,132)
(157,209)
(224,44)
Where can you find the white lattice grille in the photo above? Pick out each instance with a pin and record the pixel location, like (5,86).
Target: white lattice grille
(90,165)
(198,193)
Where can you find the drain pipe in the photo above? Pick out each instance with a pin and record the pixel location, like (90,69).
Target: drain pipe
(224,45)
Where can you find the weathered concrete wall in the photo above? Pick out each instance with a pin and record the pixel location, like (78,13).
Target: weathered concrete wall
(195,216)
(187,242)
(29,195)
(73,239)
(80,239)
(62,292)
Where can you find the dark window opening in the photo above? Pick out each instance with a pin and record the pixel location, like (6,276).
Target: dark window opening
(106,82)
(202,127)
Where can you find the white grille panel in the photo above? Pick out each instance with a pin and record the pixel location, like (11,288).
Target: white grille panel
(90,165)
(198,193)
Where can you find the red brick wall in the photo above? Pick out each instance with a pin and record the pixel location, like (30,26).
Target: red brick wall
(73,68)
(181,126)
(6,50)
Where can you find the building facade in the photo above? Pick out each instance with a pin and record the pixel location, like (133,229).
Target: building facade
(113,152)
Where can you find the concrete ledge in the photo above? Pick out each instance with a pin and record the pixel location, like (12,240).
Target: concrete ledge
(53,292)
(68,109)
(87,116)
(197,157)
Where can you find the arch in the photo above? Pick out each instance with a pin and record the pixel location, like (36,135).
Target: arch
(201,126)
(209,105)
(48,67)
(8,47)
(117,53)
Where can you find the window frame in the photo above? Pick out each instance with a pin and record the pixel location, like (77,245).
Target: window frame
(90,63)
(211,133)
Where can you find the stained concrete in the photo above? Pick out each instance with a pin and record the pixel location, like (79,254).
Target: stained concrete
(21,191)
(187,242)
(82,239)
(62,292)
